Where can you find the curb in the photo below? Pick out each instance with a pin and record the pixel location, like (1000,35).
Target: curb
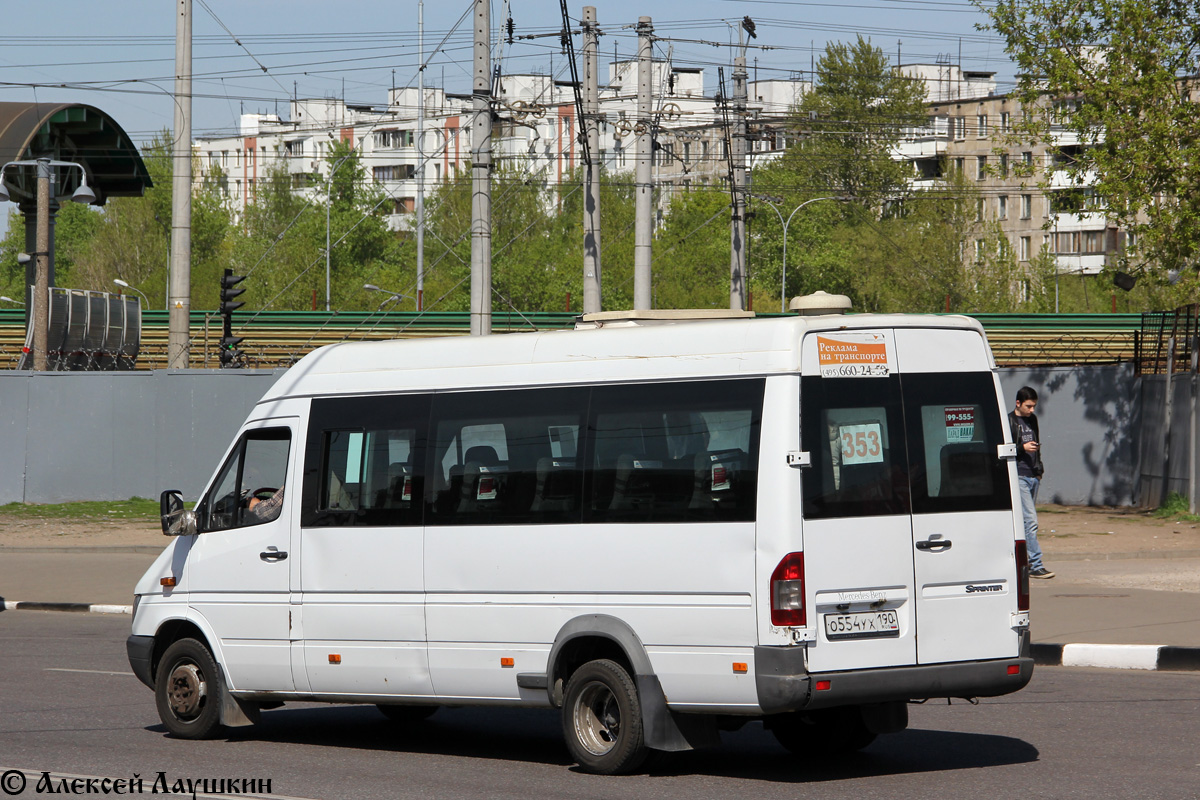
(1118,656)
(79,608)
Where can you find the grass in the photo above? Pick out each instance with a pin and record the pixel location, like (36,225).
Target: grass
(135,508)
(1176,508)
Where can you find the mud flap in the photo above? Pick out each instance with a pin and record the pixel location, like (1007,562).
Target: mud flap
(666,730)
(236,713)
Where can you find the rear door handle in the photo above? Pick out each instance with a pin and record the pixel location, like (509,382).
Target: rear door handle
(935,545)
(276,555)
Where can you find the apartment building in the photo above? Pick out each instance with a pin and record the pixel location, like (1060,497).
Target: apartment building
(535,129)
(969,134)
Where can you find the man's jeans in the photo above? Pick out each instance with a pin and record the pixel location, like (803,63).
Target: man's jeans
(1029,490)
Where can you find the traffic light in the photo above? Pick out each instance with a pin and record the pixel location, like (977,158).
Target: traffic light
(230,355)
(228,293)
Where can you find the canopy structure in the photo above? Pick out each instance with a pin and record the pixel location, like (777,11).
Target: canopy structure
(69,132)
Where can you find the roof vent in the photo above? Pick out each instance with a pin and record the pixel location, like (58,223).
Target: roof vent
(817,303)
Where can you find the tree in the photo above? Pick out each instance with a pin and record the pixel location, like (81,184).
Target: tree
(850,123)
(1118,77)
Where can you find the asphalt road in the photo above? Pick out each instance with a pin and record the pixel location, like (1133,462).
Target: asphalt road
(69,706)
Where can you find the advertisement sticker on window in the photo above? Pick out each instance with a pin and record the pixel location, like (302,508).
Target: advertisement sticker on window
(960,423)
(854,355)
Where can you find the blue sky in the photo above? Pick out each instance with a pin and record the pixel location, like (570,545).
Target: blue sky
(120,55)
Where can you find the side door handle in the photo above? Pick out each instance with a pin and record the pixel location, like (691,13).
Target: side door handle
(275,555)
(935,545)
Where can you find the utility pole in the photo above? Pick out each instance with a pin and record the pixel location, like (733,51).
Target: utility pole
(41,291)
(642,179)
(181,194)
(481,165)
(420,155)
(591,175)
(737,250)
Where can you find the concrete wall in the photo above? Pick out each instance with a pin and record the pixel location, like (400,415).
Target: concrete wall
(115,435)
(1168,455)
(111,436)
(1091,422)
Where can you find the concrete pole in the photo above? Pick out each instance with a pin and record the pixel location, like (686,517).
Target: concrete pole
(421,155)
(591,178)
(737,249)
(644,187)
(41,290)
(481,165)
(181,194)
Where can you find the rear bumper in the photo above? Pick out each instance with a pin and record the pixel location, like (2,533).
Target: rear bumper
(141,650)
(784,684)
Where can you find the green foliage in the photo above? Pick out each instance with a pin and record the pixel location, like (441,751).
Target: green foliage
(135,508)
(1118,75)
(849,123)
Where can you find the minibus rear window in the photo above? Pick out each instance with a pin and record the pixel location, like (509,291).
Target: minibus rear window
(853,429)
(954,429)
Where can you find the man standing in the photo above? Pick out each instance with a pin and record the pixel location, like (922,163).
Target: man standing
(1024,424)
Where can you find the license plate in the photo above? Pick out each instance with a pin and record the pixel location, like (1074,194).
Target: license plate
(862,625)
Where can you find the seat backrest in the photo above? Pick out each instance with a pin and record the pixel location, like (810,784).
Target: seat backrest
(632,483)
(483,453)
(555,490)
(966,470)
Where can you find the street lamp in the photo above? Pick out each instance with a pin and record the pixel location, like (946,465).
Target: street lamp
(770,201)
(120,282)
(392,296)
(41,291)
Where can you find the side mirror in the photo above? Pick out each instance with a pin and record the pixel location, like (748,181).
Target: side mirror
(176,521)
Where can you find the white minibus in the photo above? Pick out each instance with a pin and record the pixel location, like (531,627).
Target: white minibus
(664,525)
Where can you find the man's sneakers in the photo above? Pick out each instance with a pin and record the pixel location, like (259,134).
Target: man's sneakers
(1041,572)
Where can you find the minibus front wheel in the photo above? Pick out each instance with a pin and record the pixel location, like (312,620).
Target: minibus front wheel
(602,719)
(187,690)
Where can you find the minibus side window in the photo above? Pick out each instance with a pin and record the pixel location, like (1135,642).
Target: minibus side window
(674,452)
(853,430)
(255,473)
(364,461)
(506,457)
(954,429)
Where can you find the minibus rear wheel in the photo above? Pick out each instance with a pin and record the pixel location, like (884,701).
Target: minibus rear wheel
(602,719)
(187,691)
(827,732)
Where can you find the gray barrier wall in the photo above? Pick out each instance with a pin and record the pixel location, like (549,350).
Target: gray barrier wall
(115,435)
(1090,420)
(1163,454)
(111,435)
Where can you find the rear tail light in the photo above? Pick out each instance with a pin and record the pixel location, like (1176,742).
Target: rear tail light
(787,592)
(1022,577)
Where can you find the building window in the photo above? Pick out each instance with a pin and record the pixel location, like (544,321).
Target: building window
(979,209)
(960,127)
(1004,165)
(1024,248)
(1027,158)
(980,250)
(1093,242)
(1002,206)
(981,122)
(1004,121)
(980,167)
(960,164)
(1026,206)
